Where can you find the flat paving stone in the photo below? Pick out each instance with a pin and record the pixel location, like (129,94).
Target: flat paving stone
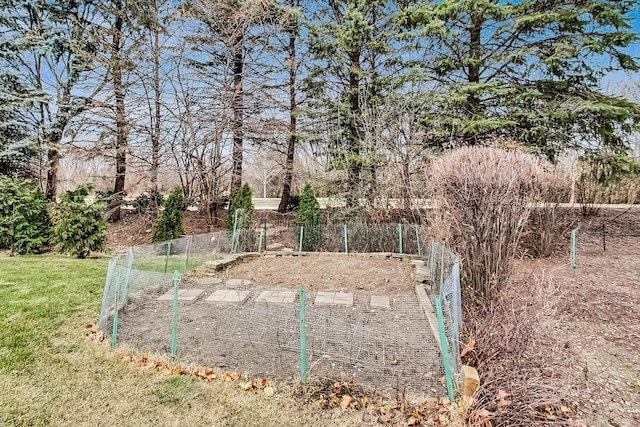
(334,298)
(380,301)
(183,295)
(276,297)
(228,295)
(237,282)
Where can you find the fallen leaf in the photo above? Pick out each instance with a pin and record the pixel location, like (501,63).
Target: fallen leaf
(337,387)
(346,401)
(366,402)
(246,386)
(385,418)
(208,371)
(467,348)
(413,421)
(565,410)
(269,391)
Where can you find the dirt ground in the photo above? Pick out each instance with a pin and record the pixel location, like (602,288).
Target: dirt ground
(351,273)
(600,323)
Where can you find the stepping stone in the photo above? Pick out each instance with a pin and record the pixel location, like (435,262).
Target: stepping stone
(378,301)
(228,295)
(232,283)
(210,281)
(334,298)
(183,295)
(276,297)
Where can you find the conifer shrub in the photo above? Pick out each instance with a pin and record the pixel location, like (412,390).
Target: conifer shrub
(242,200)
(79,228)
(308,217)
(24,222)
(169,226)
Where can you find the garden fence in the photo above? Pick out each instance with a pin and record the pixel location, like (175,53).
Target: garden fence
(154,300)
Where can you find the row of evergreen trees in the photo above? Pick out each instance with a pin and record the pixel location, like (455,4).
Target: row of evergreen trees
(28,224)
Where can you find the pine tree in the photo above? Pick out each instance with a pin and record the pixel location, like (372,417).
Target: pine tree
(24,221)
(525,71)
(308,216)
(354,60)
(78,228)
(243,203)
(169,226)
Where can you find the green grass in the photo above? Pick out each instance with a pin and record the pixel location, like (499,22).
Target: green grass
(51,374)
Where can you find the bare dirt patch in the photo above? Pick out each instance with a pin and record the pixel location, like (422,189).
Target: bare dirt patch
(357,273)
(600,325)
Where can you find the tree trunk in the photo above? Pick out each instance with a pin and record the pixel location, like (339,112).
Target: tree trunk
(238,115)
(292,139)
(354,133)
(473,101)
(155,135)
(53,161)
(121,118)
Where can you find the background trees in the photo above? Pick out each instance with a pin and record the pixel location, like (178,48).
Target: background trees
(354,96)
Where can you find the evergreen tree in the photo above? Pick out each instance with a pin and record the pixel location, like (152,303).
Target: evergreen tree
(527,71)
(244,203)
(354,65)
(24,221)
(169,226)
(308,216)
(78,228)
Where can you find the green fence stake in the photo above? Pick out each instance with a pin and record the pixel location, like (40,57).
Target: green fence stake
(166,261)
(441,268)
(573,248)
(174,325)
(233,236)
(346,240)
(301,234)
(114,333)
(260,242)
(186,261)
(418,241)
(303,338)
(265,233)
(445,350)
(128,277)
(432,260)
(400,236)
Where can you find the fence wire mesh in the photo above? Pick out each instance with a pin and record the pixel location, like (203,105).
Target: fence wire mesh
(390,348)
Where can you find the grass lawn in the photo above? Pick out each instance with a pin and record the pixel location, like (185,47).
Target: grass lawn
(51,374)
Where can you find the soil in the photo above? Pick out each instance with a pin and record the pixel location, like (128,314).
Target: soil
(137,228)
(376,275)
(600,322)
(390,350)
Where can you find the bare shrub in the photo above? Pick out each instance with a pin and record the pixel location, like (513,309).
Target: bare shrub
(523,365)
(548,223)
(483,196)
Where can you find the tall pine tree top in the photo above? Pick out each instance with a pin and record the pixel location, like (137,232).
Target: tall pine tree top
(528,71)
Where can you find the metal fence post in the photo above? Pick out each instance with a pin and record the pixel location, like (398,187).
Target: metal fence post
(445,350)
(418,240)
(301,237)
(346,239)
(174,324)
(303,338)
(186,261)
(166,261)
(233,234)
(400,236)
(260,241)
(573,248)
(116,302)
(128,276)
